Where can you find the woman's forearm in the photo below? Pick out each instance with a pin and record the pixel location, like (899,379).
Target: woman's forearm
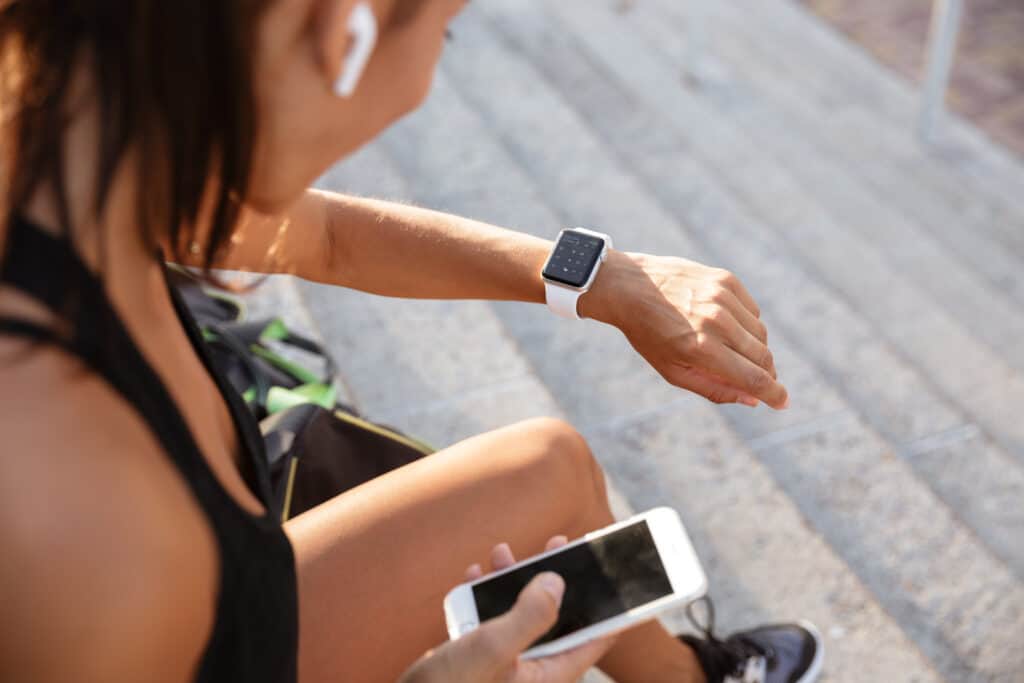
(698,326)
(397,250)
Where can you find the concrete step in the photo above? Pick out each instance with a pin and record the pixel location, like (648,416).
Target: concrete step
(867,194)
(444,139)
(865,88)
(985,387)
(549,140)
(770,85)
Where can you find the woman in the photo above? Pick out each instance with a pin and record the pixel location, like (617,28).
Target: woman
(134,527)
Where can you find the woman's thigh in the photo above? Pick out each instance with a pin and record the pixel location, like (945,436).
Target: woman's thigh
(375,563)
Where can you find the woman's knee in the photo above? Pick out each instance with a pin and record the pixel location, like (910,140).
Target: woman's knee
(562,457)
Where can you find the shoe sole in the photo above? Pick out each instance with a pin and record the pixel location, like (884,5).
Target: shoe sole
(814,670)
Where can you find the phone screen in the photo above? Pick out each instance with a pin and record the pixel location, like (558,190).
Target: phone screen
(603,578)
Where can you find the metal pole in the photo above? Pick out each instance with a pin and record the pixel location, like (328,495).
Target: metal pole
(696,28)
(945,30)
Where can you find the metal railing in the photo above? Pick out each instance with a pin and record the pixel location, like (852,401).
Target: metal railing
(947,17)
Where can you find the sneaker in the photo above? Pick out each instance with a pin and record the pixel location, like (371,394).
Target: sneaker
(779,653)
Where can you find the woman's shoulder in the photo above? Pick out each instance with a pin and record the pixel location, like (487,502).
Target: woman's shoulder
(110,570)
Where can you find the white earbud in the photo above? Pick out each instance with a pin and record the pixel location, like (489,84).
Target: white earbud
(362,26)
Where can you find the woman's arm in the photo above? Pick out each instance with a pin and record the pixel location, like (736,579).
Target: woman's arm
(391,249)
(410,252)
(697,326)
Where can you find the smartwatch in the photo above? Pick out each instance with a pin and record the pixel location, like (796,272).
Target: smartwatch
(572,267)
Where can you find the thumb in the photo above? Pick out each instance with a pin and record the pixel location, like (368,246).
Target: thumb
(533,615)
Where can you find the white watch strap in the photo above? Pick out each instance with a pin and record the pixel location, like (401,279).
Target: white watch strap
(562,300)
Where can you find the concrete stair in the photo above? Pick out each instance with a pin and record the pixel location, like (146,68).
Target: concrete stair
(796,103)
(967,165)
(886,505)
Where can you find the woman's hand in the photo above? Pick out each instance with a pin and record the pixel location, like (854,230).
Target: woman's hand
(697,326)
(490,654)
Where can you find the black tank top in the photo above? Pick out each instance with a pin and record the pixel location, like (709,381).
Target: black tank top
(255,633)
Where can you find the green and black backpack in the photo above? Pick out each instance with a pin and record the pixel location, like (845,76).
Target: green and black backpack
(316,446)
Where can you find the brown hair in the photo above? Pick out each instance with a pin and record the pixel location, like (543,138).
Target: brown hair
(174,83)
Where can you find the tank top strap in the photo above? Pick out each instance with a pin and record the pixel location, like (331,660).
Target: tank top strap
(46,268)
(39,264)
(15,327)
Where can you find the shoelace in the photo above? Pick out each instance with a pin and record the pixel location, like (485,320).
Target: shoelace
(739,658)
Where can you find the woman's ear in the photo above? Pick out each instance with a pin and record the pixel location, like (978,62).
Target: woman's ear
(347,40)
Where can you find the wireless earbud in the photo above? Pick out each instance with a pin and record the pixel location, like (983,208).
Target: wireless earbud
(362,26)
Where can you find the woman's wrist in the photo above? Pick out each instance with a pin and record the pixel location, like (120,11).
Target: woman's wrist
(610,291)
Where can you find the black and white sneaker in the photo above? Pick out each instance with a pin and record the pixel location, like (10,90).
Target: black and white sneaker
(779,653)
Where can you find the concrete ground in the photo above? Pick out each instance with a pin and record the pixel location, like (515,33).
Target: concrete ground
(887,505)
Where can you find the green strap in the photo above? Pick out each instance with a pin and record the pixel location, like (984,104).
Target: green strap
(312,390)
(276,330)
(279,398)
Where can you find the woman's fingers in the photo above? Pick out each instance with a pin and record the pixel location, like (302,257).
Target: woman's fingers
(501,557)
(503,638)
(711,388)
(739,339)
(555,542)
(739,372)
(750,322)
(732,283)
(700,328)
(534,612)
(490,653)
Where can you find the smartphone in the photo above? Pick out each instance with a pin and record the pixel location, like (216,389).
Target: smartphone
(615,578)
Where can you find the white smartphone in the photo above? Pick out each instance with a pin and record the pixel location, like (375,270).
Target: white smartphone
(616,577)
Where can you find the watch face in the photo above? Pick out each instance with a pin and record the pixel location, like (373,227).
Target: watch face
(574,258)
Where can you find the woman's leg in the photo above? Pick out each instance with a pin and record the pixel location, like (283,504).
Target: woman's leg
(375,563)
